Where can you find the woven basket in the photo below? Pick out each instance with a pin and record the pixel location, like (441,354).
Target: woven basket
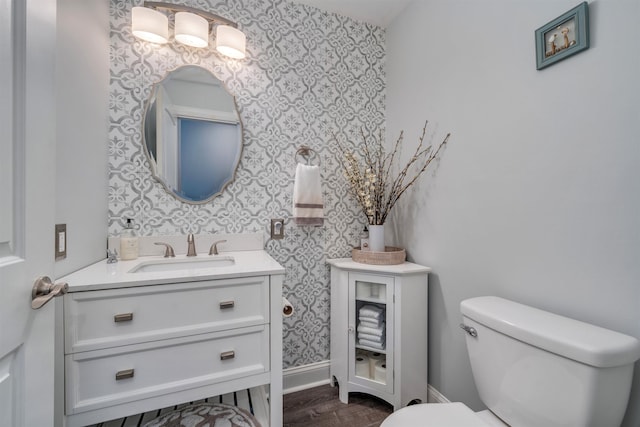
(390,256)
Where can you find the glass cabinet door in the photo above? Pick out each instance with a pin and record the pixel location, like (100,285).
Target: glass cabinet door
(371,331)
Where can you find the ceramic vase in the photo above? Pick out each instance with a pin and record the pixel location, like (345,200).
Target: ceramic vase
(376,238)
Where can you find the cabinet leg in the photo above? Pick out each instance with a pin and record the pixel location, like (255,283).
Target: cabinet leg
(343,394)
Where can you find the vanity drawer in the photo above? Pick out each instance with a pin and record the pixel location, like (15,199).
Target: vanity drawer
(154,369)
(116,317)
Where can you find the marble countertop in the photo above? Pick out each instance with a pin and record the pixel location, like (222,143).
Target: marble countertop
(118,275)
(404,268)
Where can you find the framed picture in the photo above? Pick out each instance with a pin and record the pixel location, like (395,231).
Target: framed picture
(566,35)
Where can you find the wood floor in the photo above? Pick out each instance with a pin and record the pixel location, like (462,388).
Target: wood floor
(320,407)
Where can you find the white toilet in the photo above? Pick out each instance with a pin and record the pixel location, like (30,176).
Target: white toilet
(533,368)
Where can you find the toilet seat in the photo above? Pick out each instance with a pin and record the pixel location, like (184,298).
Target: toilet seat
(434,414)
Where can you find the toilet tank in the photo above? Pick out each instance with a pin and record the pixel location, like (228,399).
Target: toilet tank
(533,368)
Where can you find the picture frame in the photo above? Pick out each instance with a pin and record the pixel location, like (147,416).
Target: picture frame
(563,37)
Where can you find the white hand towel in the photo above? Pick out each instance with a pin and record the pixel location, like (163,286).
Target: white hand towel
(371,311)
(372,344)
(377,331)
(371,323)
(307,196)
(369,337)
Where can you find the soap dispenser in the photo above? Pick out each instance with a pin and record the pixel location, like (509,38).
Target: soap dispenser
(128,242)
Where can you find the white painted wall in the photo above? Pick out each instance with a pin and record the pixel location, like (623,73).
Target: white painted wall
(537,197)
(82,82)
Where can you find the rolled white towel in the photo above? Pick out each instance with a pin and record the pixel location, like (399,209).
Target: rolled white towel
(372,344)
(366,328)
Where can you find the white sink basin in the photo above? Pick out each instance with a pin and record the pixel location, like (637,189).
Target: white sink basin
(169,264)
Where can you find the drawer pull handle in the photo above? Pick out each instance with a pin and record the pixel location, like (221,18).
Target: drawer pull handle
(124,317)
(123,375)
(227,355)
(227,304)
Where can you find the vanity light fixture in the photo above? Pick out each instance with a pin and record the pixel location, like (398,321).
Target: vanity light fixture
(191,27)
(230,41)
(149,25)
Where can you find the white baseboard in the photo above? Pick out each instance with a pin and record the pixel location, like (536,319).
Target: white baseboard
(304,377)
(434,396)
(317,374)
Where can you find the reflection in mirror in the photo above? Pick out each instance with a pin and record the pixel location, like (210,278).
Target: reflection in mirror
(193,134)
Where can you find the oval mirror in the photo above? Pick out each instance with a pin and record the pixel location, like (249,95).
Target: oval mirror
(192,134)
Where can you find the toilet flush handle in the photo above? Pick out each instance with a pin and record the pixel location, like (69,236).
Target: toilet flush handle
(469,329)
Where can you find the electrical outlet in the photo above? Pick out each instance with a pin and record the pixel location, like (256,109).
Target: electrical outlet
(61,241)
(277,228)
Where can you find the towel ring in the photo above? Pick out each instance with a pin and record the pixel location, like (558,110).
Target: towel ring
(307,153)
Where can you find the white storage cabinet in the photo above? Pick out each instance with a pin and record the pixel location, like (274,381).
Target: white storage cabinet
(379,330)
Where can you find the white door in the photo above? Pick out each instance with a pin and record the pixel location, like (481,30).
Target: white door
(27,159)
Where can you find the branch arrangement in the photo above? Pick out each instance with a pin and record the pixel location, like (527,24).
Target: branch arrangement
(370,174)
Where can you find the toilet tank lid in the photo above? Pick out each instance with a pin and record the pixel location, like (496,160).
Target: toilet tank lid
(567,337)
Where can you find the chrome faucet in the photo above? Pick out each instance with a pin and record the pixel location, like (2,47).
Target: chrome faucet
(191,245)
(168,251)
(214,247)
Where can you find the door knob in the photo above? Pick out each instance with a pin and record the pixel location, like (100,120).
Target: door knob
(44,289)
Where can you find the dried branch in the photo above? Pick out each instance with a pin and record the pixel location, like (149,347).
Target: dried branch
(369,175)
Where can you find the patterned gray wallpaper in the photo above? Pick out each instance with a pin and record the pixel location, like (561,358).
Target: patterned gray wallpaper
(307,74)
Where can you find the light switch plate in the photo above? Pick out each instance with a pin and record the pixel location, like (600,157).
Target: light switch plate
(61,241)
(277,228)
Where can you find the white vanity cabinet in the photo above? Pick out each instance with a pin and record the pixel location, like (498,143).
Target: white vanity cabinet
(379,330)
(135,346)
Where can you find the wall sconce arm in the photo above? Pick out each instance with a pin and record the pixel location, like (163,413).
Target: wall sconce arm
(211,17)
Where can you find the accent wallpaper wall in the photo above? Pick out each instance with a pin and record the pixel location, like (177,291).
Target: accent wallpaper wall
(307,75)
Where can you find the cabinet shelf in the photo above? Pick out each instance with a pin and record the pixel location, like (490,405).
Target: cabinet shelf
(372,300)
